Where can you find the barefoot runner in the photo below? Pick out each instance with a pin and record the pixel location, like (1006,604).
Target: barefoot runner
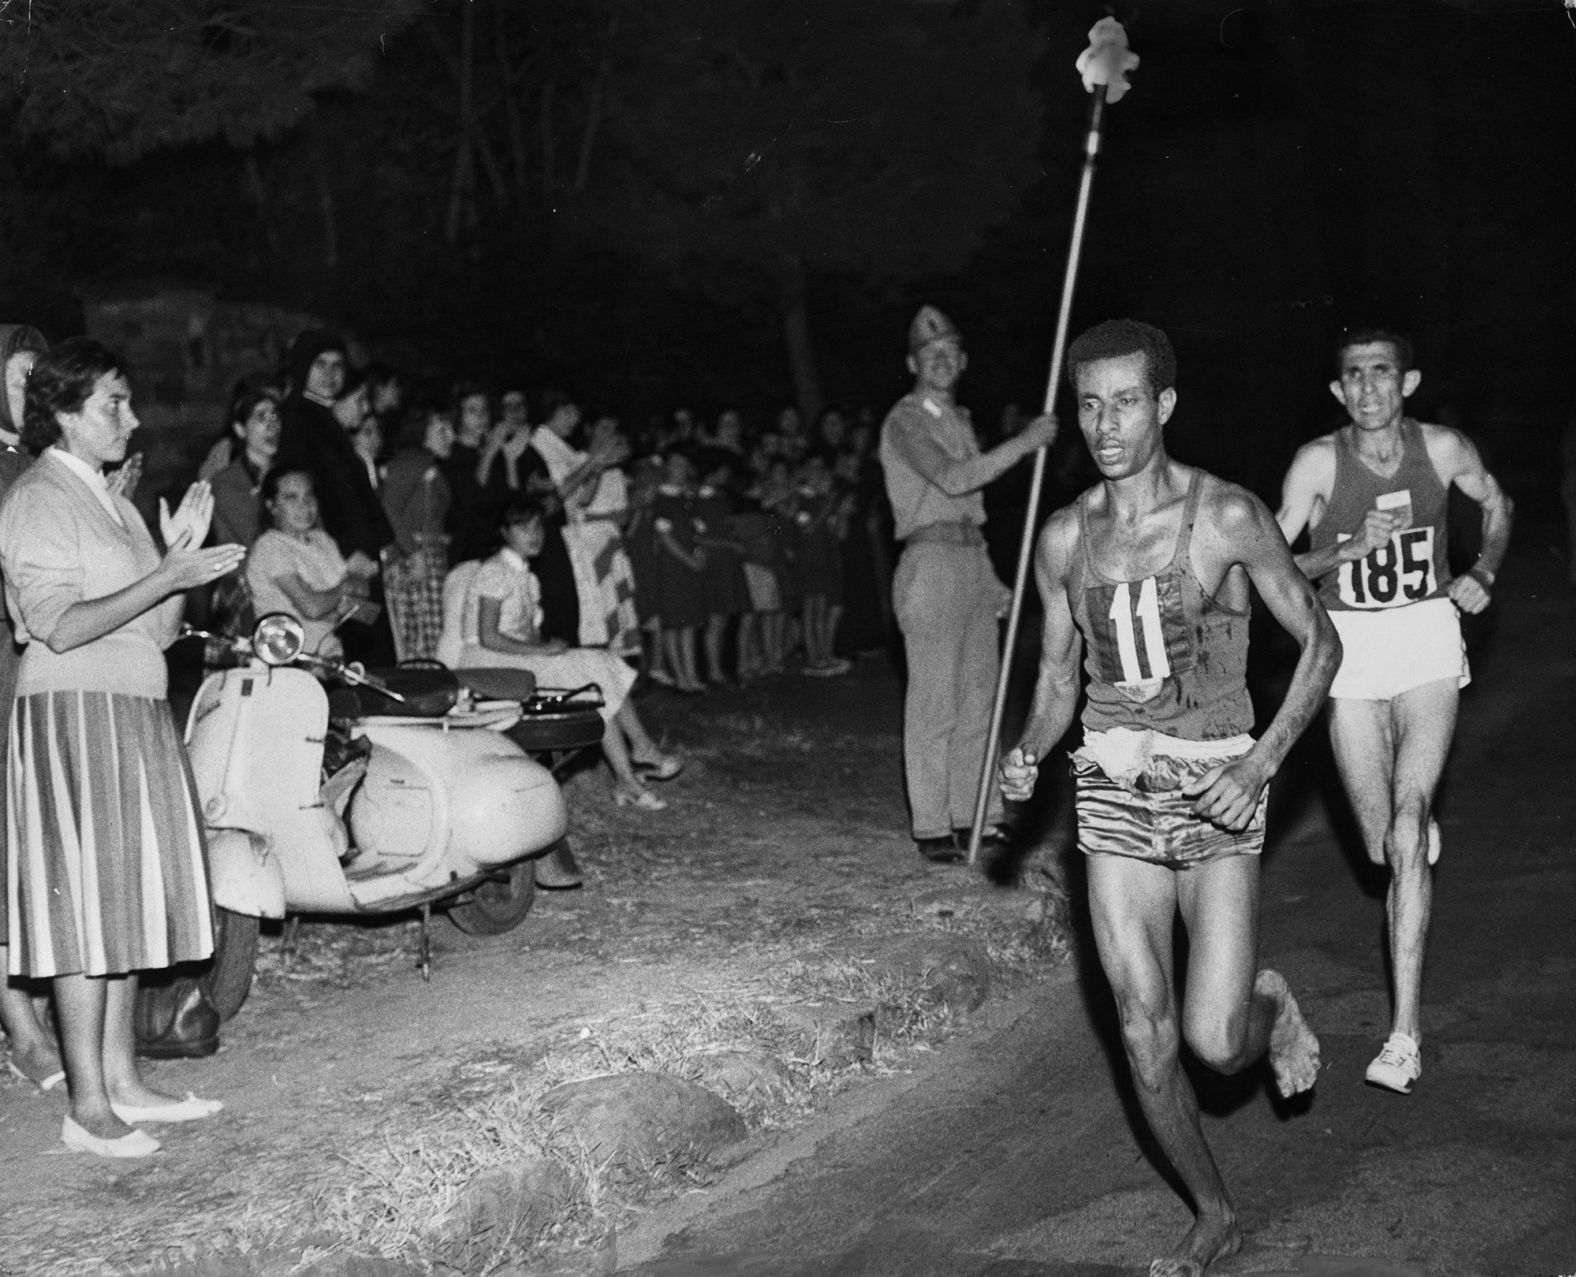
(1148,572)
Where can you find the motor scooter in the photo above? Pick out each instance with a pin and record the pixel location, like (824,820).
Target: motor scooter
(387,802)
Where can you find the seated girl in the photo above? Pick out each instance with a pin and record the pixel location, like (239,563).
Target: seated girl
(502,627)
(295,567)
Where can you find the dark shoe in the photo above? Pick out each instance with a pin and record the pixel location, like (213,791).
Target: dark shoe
(993,840)
(557,870)
(940,851)
(175,1020)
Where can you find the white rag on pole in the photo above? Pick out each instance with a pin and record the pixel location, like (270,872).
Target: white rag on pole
(1107,60)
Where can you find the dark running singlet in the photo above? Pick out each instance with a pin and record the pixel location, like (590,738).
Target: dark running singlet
(1160,653)
(1412,567)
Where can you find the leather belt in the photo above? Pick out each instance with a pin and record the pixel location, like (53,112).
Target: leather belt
(963,533)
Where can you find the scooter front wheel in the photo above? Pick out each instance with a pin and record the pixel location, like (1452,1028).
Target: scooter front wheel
(229,979)
(498,904)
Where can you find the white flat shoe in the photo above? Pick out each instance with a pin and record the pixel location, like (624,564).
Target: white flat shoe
(191,1109)
(643,799)
(81,1140)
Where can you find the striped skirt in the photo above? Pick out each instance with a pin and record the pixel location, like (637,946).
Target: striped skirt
(106,868)
(605,582)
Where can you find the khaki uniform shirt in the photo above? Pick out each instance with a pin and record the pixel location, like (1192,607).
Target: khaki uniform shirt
(918,497)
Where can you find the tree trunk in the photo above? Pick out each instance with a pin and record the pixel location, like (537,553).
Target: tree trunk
(594,108)
(326,207)
(549,150)
(519,161)
(257,190)
(462,200)
(794,301)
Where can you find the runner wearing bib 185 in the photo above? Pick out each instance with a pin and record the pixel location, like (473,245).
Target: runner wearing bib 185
(1372,498)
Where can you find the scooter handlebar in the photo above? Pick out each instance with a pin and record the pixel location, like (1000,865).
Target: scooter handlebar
(349,671)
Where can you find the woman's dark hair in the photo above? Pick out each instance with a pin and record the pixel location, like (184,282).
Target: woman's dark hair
(412,432)
(522,510)
(379,375)
(248,393)
(278,475)
(554,398)
(465,390)
(20,337)
(355,379)
(61,381)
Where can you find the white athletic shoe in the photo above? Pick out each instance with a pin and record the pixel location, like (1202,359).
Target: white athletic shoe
(1397,1067)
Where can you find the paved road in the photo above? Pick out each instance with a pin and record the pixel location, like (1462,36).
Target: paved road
(1015,1152)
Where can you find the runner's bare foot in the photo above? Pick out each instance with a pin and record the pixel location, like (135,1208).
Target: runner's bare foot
(1212,1237)
(1294,1051)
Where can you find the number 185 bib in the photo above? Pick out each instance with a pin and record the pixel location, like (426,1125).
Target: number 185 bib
(1394,575)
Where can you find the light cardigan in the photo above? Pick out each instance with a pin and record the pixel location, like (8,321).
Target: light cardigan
(59,546)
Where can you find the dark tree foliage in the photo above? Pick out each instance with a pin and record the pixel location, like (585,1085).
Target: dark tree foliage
(120,79)
(760,142)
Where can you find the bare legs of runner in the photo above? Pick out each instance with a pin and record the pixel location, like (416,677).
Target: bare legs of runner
(1391,755)
(1232,1015)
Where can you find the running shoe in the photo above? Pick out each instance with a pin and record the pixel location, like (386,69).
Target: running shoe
(1397,1067)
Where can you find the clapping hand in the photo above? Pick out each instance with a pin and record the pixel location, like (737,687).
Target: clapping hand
(122,482)
(186,568)
(187,528)
(612,451)
(515,445)
(361,564)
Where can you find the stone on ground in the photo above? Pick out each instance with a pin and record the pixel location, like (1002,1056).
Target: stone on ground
(636,1121)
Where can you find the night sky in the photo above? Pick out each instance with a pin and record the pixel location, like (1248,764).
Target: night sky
(1279,168)
(1282,169)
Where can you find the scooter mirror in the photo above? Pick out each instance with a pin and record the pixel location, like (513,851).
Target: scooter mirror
(278,638)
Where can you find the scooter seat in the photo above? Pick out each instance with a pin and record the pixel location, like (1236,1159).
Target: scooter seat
(427,693)
(497,683)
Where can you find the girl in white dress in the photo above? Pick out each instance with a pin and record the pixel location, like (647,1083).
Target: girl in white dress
(295,566)
(502,627)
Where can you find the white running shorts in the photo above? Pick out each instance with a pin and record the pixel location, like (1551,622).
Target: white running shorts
(1391,651)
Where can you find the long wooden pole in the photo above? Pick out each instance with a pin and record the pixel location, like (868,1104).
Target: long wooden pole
(1037,481)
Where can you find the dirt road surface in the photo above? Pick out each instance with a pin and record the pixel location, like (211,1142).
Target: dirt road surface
(1008,1149)
(359,1098)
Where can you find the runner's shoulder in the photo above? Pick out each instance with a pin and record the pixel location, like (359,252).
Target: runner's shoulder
(1229,507)
(1058,539)
(1449,449)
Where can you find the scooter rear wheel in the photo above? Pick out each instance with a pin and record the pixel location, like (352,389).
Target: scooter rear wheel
(229,979)
(498,904)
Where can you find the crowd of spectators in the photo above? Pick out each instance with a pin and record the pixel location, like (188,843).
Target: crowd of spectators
(705,554)
(479,527)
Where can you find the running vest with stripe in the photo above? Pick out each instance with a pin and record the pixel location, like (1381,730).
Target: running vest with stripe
(1161,654)
(1412,566)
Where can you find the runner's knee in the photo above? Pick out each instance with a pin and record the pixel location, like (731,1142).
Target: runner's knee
(1149,1032)
(1220,1041)
(1406,846)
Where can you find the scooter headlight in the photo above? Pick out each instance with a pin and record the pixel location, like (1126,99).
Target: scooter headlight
(278,638)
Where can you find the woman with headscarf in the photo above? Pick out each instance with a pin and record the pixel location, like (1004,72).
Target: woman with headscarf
(314,439)
(33,1057)
(105,875)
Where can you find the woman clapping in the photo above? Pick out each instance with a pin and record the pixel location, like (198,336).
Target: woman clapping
(106,870)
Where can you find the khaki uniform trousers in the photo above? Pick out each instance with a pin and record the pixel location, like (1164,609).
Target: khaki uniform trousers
(947,598)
